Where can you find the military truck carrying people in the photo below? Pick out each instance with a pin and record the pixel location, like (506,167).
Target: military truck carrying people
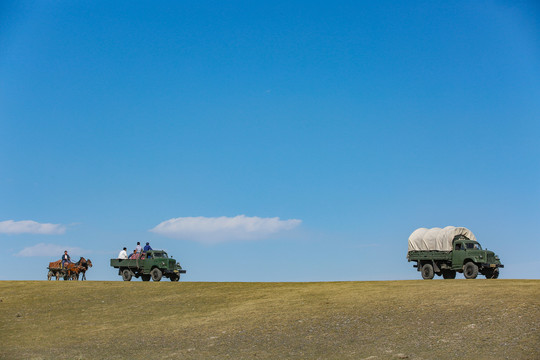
(152,264)
(451,250)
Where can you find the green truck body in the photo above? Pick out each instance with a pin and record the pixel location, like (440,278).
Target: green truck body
(466,256)
(153,264)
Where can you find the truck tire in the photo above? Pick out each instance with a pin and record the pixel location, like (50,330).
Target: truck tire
(145,277)
(50,274)
(126,275)
(470,270)
(175,277)
(492,274)
(427,272)
(449,274)
(156,274)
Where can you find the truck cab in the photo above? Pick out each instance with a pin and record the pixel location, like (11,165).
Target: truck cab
(468,256)
(466,250)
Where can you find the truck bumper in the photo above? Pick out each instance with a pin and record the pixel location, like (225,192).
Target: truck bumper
(176,271)
(492,266)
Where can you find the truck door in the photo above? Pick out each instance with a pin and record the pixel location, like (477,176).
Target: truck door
(458,255)
(146,264)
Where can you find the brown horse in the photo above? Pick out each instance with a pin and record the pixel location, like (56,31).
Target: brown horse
(82,265)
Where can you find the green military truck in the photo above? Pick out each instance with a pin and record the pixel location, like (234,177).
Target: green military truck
(447,251)
(153,264)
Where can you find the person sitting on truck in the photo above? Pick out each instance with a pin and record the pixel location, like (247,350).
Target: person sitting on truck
(123,254)
(147,247)
(65,259)
(135,255)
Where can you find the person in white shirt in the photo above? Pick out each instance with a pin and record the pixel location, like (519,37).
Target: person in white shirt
(123,254)
(138,248)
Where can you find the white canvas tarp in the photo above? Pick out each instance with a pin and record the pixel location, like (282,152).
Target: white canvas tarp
(436,238)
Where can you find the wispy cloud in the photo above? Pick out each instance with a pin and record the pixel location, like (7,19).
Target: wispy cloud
(30,227)
(211,230)
(48,250)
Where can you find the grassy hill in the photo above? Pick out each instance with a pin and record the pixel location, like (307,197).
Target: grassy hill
(451,319)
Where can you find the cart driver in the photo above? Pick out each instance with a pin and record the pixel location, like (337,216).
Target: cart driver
(65,259)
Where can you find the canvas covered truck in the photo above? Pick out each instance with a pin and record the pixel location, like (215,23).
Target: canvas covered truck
(447,251)
(153,264)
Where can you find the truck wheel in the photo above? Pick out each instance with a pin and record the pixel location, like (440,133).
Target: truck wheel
(449,274)
(145,277)
(156,274)
(427,272)
(470,270)
(175,277)
(50,274)
(126,275)
(492,274)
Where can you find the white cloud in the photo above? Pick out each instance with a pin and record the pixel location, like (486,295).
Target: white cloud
(48,250)
(213,230)
(30,227)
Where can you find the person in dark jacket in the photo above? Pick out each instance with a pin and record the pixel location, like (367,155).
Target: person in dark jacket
(147,247)
(65,259)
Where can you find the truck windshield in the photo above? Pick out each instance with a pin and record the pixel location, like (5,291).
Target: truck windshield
(160,255)
(474,246)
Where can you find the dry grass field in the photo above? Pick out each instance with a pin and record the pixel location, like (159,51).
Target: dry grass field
(451,319)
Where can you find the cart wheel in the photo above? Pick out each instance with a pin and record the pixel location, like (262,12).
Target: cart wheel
(50,274)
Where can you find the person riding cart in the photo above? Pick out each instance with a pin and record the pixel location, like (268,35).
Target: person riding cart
(65,259)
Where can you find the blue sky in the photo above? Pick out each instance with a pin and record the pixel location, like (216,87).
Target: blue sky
(284,141)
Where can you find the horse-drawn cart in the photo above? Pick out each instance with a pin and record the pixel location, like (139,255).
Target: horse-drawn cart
(70,271)
(56,270)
